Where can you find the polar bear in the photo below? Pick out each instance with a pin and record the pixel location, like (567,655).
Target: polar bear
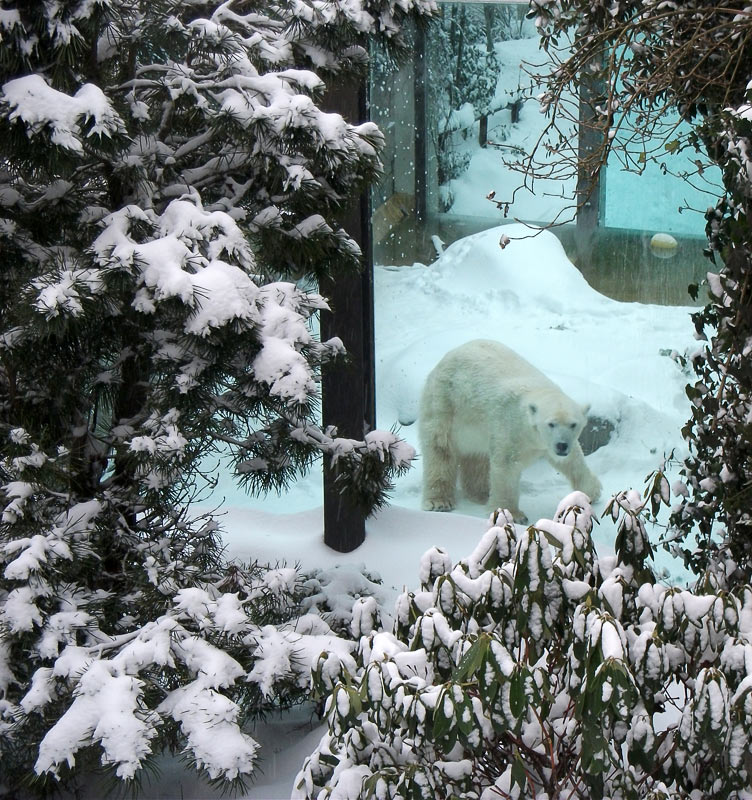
(488,414)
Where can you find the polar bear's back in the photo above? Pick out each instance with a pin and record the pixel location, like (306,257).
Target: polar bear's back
(481,373)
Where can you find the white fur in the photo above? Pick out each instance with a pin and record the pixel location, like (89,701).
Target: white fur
(487,414)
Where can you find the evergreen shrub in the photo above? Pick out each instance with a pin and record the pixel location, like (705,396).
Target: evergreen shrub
(535,668)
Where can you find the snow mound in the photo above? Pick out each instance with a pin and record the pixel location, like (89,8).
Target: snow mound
(532,267)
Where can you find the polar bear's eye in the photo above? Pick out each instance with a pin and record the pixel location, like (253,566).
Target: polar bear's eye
(551,425)
(573,425)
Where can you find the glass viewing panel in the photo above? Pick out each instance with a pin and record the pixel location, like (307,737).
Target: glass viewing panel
(600,305)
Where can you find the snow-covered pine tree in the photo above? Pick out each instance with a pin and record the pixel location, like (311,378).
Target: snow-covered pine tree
(166,172)
(478,70)
(658,62)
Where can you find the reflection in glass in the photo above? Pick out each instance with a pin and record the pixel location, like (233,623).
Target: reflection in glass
(463,110)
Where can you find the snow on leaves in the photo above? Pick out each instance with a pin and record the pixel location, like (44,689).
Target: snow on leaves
(535,668)
(289,651)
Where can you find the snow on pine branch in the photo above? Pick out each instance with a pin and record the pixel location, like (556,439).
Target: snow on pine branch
(182,257)
(366,16)
(109,708)
(103,680)
(182,260)
(158,195)
(70,119)
(209,721)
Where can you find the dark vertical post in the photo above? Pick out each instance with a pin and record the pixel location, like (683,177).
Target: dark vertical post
(489,13)
(419,93)
(348,388)
(591,177)
(589,139)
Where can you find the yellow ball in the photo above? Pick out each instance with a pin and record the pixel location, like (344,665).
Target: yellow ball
(663,245)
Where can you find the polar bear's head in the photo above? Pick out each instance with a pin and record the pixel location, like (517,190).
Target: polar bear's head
(559,425)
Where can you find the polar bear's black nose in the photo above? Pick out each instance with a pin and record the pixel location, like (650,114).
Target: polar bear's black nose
(561,448)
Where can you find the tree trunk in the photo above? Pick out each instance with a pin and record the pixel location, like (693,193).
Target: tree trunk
(489,12)
(460,48)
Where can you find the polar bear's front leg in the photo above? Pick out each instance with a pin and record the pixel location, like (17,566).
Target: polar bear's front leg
(439,474)
(504,482)
(578,474)
(474,476)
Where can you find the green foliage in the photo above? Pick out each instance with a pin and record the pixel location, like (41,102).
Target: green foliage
(717,509)
(534,668)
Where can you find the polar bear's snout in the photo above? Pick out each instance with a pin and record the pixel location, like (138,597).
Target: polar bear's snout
(559,433)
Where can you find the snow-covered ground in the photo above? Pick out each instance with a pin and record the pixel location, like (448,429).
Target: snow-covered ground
(613,355)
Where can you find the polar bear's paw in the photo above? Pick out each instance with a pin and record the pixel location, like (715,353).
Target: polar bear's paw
(592,488)
(438,504)
(518,516)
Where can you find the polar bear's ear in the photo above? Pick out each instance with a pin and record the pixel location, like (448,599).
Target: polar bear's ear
(586,409)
